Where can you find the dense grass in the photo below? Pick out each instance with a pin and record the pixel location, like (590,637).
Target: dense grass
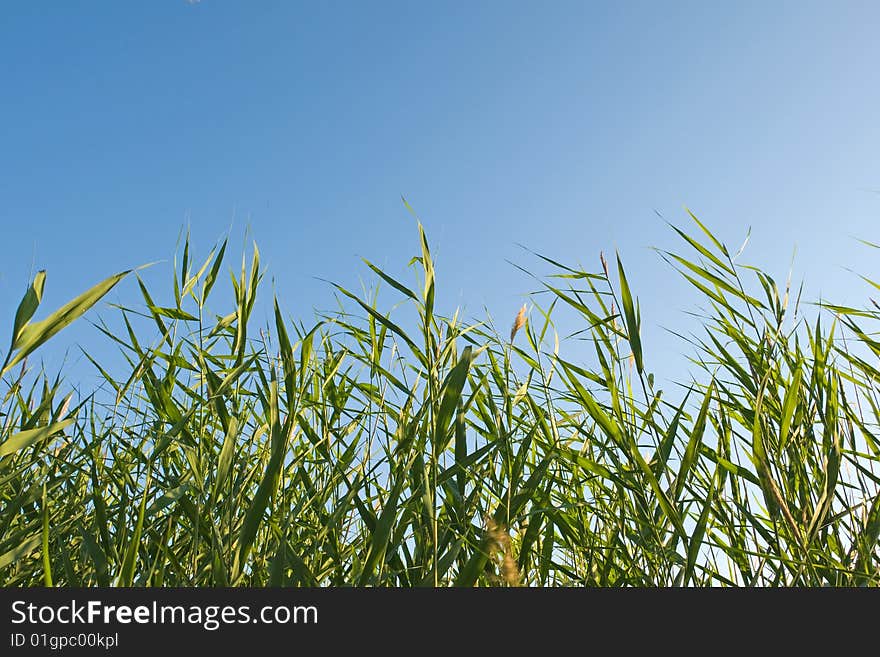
(417,449)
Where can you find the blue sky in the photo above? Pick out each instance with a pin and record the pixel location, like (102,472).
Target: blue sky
(565,126)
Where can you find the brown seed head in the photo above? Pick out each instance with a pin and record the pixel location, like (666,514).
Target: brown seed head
(499,546)
(509,570)
(519,322)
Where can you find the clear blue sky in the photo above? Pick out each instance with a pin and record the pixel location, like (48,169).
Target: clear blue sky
(560,125)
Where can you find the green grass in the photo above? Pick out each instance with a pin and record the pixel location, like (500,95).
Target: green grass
(418,449)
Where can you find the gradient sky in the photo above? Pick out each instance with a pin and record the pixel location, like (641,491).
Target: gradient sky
(565,126)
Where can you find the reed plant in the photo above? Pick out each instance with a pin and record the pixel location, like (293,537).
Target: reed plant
(416,447)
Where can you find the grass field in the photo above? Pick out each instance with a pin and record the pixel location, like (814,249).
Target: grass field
(413,448)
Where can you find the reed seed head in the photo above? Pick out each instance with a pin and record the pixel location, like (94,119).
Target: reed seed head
(518,322)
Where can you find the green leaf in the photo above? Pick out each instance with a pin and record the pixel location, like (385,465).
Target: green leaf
(708,233)
(212,275)
(632,321)
(692,449)
(400,287)
(25,439)
(254,516)
(29,304)
(385,322)
(224,462)
(47,565)
(382,533)
(24,548)
(428,266)
(788,406)
(696,539)
(32,336)
(127,572)
(452,389)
